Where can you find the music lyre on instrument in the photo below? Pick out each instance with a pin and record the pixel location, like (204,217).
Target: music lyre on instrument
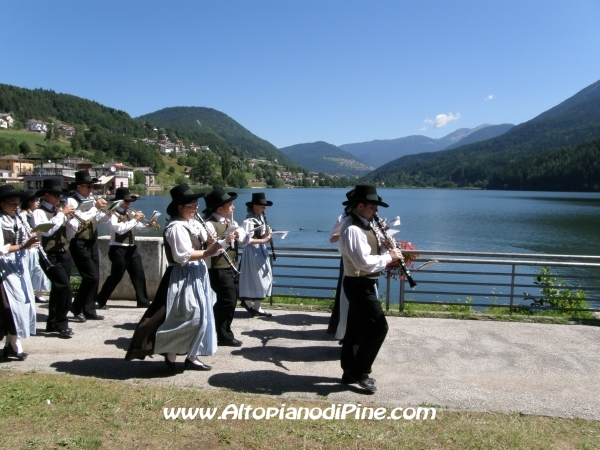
(143,219)
(215,238)
(392,243)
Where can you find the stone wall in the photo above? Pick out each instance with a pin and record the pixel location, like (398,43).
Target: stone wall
(153,256)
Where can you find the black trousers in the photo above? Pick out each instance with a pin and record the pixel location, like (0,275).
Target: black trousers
(87,261)
(225,286)
(366,328)
(125,259)
(61,296)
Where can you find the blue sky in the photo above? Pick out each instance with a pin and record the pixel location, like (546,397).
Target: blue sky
(303,71)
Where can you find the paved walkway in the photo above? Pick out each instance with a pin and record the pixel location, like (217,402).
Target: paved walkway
(461,364)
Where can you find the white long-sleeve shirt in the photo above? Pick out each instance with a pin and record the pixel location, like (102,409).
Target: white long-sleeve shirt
(118,227)
(357,252)
(101,217)
(39,217)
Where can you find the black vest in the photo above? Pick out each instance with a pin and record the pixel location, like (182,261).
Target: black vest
(218,262)
(57,242)
(125,238)
(89,233)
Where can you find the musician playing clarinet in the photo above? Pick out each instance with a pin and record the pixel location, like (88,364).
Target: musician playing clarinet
(219,220)
(364,259)
(123,253)
(256,276)
(54,243)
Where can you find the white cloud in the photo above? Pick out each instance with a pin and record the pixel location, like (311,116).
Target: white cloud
(489,97)
(423,129)
(441,120)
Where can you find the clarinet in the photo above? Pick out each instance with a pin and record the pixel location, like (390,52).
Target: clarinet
(393,245)
(231,264)
(271,241)
(41,251)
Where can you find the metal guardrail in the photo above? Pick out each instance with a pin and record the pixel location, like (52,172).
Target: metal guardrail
(482,279)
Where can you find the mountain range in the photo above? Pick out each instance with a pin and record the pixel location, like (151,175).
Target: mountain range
(377,153)
(574,121)
(323,157)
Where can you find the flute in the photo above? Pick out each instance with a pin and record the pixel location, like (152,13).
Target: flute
(271,241)
(214,237)
(393,245)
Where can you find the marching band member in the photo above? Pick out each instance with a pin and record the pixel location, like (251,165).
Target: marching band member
(180,319)
(83,233)
(256,276)
(219,211)
(123,253)
(364,261)
(39,280)
(54,243)
(17,303)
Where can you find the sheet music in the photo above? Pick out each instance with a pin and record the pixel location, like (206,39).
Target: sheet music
(280,234)
(86,205)
(155,215)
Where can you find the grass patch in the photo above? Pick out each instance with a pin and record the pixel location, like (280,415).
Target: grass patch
(44,411)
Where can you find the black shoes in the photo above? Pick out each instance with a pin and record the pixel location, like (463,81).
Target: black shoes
(10,351)
(231,343)
(65,332)
(40,300)
(93,317)
(78,317)
(103,307)
(368,384)
(190,365)
(263,314)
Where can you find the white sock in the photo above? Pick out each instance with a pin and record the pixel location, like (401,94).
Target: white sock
(257,306)
(196,361)
(172,357)
(14,342)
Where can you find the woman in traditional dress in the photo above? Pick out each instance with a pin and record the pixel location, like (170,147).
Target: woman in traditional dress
(256,276)
(180,319)
(39,280)
(17,304)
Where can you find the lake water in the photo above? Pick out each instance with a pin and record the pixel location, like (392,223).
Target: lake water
(448,220)
(432,219)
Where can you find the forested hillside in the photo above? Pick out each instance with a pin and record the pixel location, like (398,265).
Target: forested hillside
(327,158)
(474,164)
(573,168)
(196,123)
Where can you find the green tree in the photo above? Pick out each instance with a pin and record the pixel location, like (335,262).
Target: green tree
(24,148)
(139,177)
(225,167)
(237,179)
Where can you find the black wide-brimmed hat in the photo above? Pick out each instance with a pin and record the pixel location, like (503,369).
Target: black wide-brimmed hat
(8,191)
(217,197)
(181,194)
(364,194)
(123,193)
(84,177)
(31,195)
(348,196)
(258,198)
(50,186)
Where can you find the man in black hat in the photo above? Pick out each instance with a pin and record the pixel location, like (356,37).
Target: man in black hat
(54,243)
(83,232)
(123,253)
(363,260)
(219,216)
